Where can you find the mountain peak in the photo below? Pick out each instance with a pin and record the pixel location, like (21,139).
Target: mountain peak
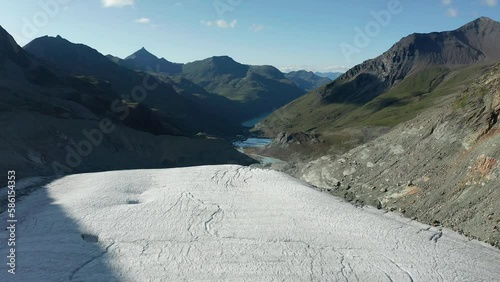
(142,54)
(224,61)
(144,60)
(484,19)
(481,23)
(223,58)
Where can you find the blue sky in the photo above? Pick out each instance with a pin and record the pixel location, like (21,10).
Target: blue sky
(318,35)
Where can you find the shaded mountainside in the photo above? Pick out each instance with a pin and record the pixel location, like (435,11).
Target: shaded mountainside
(442,167)
(43,113)
(233,110)
(396,85)
(307,80)
(80,60)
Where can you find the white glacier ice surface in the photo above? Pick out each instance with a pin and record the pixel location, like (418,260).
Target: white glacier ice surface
(225,223)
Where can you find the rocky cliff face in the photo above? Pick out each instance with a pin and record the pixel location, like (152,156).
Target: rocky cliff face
(443,167)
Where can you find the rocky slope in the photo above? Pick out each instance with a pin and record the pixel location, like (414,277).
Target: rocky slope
(442,167)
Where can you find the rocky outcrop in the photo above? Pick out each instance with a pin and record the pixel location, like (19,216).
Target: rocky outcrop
(442,167)
(284,139)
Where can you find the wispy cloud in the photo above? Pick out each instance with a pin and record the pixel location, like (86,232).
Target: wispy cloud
(220,23)
(452,12)
(117,3)
(446,2)
(491,3)
(143,20)
(256,27)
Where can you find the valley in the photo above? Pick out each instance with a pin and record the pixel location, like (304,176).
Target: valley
(194,158)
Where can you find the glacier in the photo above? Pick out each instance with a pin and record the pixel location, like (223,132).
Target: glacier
(226,223)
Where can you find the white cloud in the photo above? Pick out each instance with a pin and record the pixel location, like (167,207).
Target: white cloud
(491,3)
(220,23)
(446,2)
(143,20)
(117,3)
(452,12)
(256,27)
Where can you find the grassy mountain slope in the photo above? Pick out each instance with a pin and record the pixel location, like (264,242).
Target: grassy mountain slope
(416,72)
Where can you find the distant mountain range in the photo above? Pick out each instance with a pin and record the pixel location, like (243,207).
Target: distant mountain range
(80,60)
(221,84)
(259,87)
(307,80)
(330,75)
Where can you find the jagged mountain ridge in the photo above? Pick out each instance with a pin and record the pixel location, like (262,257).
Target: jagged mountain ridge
(475,42)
